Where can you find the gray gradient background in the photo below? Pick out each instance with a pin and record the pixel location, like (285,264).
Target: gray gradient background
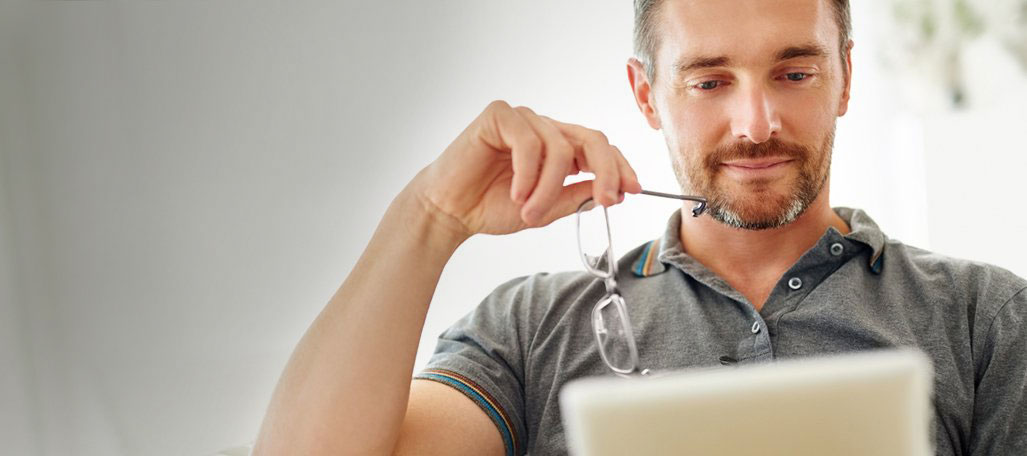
(183,185)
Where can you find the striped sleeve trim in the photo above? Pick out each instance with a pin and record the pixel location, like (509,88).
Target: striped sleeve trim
(482,398)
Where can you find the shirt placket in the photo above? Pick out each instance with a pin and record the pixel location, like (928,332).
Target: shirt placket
(753,345)
(796,285)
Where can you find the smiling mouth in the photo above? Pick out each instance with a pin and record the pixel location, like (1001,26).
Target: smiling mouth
(763,170)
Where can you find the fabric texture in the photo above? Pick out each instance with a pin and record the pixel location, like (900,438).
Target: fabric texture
(854,292)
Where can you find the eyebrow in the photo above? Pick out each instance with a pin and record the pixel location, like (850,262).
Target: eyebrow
(808,50)
(684,65)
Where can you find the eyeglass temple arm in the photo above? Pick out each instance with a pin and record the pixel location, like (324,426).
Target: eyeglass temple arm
(699,208)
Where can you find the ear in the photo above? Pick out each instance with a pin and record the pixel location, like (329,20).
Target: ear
(843,105)
(642,92)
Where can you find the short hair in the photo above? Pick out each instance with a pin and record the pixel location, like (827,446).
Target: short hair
(647,41)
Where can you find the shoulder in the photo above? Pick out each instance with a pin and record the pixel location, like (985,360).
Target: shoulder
(541,287)
(547,293)
(986,286)
(961,272)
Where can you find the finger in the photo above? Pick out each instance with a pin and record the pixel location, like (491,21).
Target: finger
(526,163)
(557,162)
(599,156)
(567,202)
(628,179)
(507,130)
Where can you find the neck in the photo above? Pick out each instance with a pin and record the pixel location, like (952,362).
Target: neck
(753,261)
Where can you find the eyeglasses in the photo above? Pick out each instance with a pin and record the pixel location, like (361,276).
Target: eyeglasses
(610,322)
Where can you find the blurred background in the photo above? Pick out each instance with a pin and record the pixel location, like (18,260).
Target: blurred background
(184,185)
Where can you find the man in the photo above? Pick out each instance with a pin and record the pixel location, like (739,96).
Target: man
(747,94)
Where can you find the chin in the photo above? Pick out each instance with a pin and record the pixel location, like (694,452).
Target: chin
(759,211)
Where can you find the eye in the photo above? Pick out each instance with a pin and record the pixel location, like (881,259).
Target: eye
(797,77)
(708,85)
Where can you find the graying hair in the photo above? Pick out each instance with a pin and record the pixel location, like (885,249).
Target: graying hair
(647,41)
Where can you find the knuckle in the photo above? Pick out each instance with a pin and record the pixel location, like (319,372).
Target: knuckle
(564,148)
(532,143)
(524,110)
(561,150)
(620,159)
(497,105)
(611,166)
(577,129)
(596,145)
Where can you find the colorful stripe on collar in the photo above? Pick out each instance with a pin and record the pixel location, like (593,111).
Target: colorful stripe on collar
(648,264)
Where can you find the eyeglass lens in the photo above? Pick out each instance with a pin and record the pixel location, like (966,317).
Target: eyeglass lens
(594,238)
(616,343)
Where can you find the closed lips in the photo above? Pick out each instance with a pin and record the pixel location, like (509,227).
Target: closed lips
(757,164)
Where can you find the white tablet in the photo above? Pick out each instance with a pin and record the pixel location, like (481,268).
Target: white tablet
(870,403)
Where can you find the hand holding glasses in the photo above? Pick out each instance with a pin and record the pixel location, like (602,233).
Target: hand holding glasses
(610,322)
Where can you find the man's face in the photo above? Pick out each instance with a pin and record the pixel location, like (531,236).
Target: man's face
(747,93)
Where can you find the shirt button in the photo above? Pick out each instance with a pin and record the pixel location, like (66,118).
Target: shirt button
(755,327)
(795,283)
(837,248)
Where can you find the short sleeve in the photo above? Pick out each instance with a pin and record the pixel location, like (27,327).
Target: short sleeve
(1000,398)
(482,356)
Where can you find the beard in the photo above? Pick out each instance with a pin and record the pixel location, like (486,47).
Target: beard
(755,204)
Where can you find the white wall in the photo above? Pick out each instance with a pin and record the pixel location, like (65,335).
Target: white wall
(976,164)
(18,418)
(191,181)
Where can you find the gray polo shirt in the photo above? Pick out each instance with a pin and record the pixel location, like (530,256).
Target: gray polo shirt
(852,292)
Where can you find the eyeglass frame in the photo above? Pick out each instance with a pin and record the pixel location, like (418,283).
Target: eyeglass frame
(608,277)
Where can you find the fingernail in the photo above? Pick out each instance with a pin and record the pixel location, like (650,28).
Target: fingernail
(612,196)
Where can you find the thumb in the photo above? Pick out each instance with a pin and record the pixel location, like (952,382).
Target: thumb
(568,201)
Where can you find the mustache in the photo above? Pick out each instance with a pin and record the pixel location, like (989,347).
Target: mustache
(746,150)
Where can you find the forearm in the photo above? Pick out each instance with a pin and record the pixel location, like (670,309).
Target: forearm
(345,388)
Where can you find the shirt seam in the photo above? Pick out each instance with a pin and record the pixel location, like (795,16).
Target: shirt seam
(993,317)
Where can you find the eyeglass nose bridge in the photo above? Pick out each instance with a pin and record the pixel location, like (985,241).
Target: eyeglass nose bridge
(611,285)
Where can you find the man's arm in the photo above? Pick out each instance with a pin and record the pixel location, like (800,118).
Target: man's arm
(347,388)
(1000,396)
(442,421)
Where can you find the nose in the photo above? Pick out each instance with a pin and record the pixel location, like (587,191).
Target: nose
(755,117)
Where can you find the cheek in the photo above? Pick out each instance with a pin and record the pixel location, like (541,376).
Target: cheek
(694,127)
(807,120)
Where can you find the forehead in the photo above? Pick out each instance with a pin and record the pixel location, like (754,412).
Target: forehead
(743,30)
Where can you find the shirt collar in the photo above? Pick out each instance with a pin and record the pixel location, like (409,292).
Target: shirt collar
(864,230)
(655,256)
